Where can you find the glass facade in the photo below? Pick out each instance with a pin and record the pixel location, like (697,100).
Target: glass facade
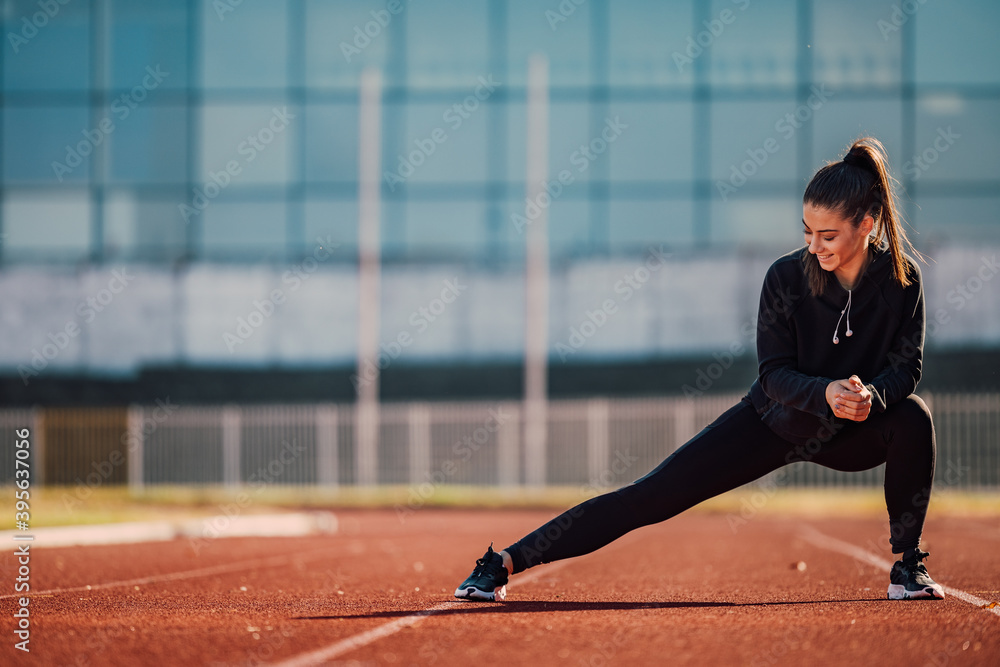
(217,130)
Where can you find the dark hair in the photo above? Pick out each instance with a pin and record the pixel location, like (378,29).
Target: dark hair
(854,187)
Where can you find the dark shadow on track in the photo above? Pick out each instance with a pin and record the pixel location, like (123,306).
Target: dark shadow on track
(531,606)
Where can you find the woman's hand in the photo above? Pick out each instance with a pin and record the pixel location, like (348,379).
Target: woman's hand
(849,399)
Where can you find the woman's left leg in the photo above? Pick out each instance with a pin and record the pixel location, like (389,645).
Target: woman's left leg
(902,437)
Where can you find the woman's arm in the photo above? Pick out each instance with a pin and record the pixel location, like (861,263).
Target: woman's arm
(777,355)
(904,363)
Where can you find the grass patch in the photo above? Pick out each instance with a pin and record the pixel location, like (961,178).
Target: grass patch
(58,506)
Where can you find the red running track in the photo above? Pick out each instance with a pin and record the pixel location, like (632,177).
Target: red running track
(689,591)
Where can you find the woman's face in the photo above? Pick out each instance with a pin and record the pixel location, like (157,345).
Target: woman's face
(838,245)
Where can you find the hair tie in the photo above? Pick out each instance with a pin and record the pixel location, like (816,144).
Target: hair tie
(853,158)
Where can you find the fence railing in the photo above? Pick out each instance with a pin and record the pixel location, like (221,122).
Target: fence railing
(596,443)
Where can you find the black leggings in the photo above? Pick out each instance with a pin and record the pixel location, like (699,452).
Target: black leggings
(736,449)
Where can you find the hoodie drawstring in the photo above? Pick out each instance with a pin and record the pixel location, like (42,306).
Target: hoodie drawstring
(847,309)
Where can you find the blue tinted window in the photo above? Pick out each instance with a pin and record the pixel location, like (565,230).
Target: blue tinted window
(444,142)
(149,144)
(569,129)
(49,144)
(46,223)
(562,35)
(447,42)
(850,48)
(956,42)
(144,227)
(841,121)
(637,223)
(150,34)
(256,137)
(759,222)
(334,221)
(344,37)
(652,141)
(332,144)
(756,139)
(46,49)
(244,46)
(942,220)
(957,139)
(648,42)
(252,230)
(749,43)
(446,228)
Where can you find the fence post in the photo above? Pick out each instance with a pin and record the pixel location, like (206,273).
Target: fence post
(327,472)
(135,450)
(419,418)
(231,426)
(597,441)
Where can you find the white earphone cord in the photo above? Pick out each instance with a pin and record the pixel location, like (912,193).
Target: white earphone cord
(847,309)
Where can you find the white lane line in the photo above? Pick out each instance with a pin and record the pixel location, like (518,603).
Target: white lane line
(273,561)
(322,655)
(810,534)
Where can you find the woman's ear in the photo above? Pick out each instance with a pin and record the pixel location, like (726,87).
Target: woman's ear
(867,225)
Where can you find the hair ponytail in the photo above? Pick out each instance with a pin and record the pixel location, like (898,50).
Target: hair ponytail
(854,187)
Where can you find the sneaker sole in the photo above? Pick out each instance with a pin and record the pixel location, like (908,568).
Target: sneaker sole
(899,592)
(473,593)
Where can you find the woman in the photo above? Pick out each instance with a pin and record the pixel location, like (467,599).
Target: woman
(826,392)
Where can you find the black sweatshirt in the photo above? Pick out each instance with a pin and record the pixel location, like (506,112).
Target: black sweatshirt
(797,357)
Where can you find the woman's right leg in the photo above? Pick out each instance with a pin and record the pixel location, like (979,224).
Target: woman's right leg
(735,449)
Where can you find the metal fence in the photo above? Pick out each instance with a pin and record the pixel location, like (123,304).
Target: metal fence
(596,443)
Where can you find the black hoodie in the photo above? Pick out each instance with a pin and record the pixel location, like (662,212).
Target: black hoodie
(797,357)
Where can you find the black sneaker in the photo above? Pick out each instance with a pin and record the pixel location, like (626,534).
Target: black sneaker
(909,580)
(488,580)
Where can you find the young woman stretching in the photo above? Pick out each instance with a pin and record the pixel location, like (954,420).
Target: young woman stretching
(840,335)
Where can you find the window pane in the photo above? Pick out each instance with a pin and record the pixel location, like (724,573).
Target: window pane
(149,145)
(958,220)
(448,228)
(569,129)
(749,43)
(442,145)
(849,48)
(334,221)
(143,227)
(956,42)
(245,46)
(771,223)
(49,144)
(244,230)
(957,139)
(447,42)
(563,36)
(645,36)
(637,223)
(840,122)
(46,223)
(332,145)
(653,141)
(755,141)
(568,228)
(148,34)
(254,136)
(43,52)
(343,37)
